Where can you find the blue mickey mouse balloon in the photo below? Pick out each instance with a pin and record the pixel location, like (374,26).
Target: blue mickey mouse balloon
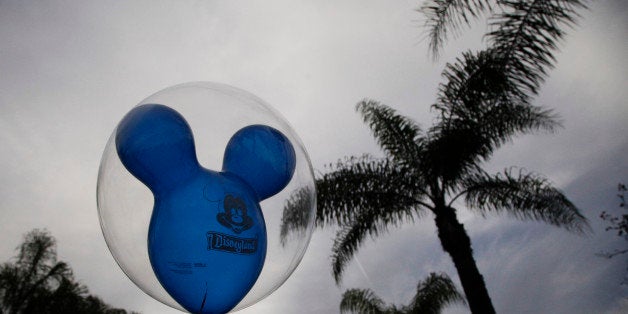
(206,236)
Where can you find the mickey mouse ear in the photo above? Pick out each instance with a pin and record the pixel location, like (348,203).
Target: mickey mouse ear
(261,156)
(155,143)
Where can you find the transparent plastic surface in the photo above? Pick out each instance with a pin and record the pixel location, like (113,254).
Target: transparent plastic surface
(214,112)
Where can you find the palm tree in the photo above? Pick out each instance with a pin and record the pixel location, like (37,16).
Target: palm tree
(36,270)
(432,295)
(485,101)
(36,282)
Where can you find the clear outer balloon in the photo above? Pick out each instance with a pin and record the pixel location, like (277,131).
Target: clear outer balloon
(149,210)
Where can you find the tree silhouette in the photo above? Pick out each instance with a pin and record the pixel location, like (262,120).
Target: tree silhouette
(36,282)
(432,295)
(618,224)
(483,103)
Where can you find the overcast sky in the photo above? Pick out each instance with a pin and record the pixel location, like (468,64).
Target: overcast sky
(69,71)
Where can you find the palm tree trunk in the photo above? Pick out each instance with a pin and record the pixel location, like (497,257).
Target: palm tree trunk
(456,242)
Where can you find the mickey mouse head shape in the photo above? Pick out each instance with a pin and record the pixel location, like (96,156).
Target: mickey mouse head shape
(207,236)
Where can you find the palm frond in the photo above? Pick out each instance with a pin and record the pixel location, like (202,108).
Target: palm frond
(361,301)
(355,191)
(370,221)
(296,213)
(526,34)
(433,294)
(473,81)
(460,146)
(399,136)
(445,16)
(480,110)
(477,87)
(525,196)
(362,184)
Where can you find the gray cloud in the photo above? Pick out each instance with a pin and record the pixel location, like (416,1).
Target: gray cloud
(69,75)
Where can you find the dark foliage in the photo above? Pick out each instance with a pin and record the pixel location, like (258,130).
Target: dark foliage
(36,282)
(433,294)
(618,224)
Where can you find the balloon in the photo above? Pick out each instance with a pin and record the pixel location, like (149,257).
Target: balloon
(192,233)
(207,237)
